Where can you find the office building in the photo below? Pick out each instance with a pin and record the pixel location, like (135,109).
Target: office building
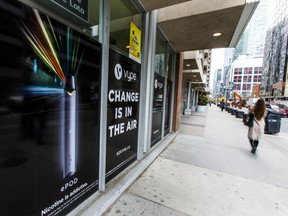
(246,72)
(274,84)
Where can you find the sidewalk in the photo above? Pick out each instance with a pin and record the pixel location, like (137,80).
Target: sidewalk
(208,170)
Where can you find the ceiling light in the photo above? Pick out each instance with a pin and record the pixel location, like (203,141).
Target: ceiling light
(194,76)
(217,34)
(187,65)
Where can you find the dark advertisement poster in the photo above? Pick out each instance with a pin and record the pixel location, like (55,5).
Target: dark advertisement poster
(123,112)
(49,114)
(157,108)
(77,7)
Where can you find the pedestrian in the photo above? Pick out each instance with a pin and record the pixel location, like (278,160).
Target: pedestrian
(256,129)
(222,105)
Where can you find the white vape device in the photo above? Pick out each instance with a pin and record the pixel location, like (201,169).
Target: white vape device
(69,124)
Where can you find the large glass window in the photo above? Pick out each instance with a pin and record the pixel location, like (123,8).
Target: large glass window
(238,71)
(237,86)
(169,91)
(49,130)
(237,78)
(246,87)
(159,81)
(248,70)
(258,70)
(122,13)
(159,60)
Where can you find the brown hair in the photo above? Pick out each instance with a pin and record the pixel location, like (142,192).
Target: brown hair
(259,109)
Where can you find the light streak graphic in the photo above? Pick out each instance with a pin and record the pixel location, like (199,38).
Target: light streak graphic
(58,47)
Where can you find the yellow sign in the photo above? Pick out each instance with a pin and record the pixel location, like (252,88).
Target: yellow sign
(135,43)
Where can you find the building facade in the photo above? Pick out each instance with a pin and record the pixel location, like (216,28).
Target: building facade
(275,83)
(196,76)
(247,72)
(90,89)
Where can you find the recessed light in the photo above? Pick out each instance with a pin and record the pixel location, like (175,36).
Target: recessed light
(217,34)
(187,65)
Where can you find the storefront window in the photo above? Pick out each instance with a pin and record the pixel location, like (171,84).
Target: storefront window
(50,93)
(159,60)
(122,13)
(159,82)
(169,92)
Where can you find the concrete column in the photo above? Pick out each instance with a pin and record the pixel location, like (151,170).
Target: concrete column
(194,101)
(188,110)
(197,94)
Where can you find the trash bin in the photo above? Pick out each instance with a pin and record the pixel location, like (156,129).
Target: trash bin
(239,114)
(273,122)
(229,109)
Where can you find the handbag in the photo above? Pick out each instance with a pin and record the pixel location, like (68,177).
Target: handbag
(250,120)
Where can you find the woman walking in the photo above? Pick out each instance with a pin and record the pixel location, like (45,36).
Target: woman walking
(257,129)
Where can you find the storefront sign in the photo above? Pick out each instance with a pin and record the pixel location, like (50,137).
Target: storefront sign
(77,7)
(135,43)
(49,133)
(123,112)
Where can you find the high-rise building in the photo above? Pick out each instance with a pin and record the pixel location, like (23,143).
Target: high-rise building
(218,83)
(257,30)
(274,82)
(253,39)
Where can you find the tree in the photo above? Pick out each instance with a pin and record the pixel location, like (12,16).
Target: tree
(202,99)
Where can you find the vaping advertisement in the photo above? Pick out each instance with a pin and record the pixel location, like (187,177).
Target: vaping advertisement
(122,113)
(157,108)
(49,113)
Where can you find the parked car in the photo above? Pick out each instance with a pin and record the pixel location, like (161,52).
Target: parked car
(273,107)
(283,109)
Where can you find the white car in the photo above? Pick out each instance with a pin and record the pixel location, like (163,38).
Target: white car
(273,107)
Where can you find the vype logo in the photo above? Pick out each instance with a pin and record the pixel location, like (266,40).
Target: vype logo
(120,73)
(158,84)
